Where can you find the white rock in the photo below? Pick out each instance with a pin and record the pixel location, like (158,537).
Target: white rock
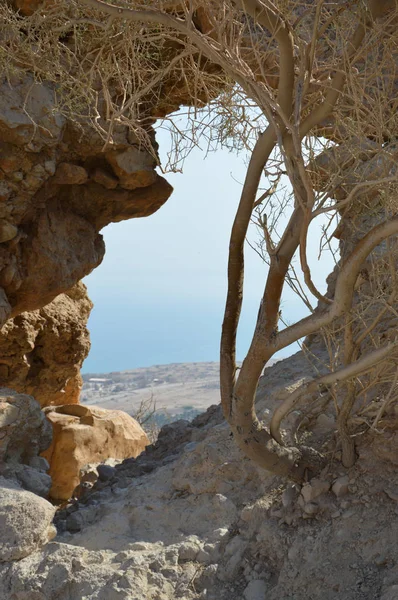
(25,521)
(256,590)
(188,551)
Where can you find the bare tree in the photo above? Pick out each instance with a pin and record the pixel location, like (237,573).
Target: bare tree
(308,89)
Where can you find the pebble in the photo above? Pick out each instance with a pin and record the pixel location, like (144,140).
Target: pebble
(340,487)
(255,590)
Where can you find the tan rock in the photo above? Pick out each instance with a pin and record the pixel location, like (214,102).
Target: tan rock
(133,167)
(8,231)
(105,179)
(69,174)
(41,352)
(83,435)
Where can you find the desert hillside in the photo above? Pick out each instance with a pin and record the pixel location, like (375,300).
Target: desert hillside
(179,390)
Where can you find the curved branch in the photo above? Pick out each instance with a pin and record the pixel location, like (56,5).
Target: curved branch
(344,287)
(262,150)
(352,370)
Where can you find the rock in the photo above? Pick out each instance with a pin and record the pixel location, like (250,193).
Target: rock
(75,522)
(24,430)
(256,590)
(27,113)
(188,551)
(83,435)
(8,231)
(316,487)
(289,495)
(105,179)
(310,508)
(25,521)
(133,167)
(44,349)
(105,472)
(52,239)
(69,174)
(33,480)
(340,487)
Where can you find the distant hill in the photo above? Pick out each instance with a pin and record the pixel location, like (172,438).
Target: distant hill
(180,390)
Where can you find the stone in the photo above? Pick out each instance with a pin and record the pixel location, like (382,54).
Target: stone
(311,508)
(24,430)
(25,521)
(27,114)
(188,551)
(83,435)
(256,590)
(316,487)
(340,487)
(45,349)
(105,179)
(69,174)
(74,522)
(133,167)
(105,472)
(289,495)
(8,231)
(30,479)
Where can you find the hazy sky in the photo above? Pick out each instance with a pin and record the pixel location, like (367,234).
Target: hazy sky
(159,293)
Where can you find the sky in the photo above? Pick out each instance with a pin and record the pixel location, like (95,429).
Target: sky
(159,293)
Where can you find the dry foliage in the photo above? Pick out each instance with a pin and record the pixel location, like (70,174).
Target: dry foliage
(308,90)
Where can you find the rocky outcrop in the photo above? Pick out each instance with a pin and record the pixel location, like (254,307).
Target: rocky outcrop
(83,435)
(58,189)
(41,352)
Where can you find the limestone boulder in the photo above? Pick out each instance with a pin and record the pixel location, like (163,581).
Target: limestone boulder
(25,521)
(24,430)
(41,352)
(24,433)
(83,435)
